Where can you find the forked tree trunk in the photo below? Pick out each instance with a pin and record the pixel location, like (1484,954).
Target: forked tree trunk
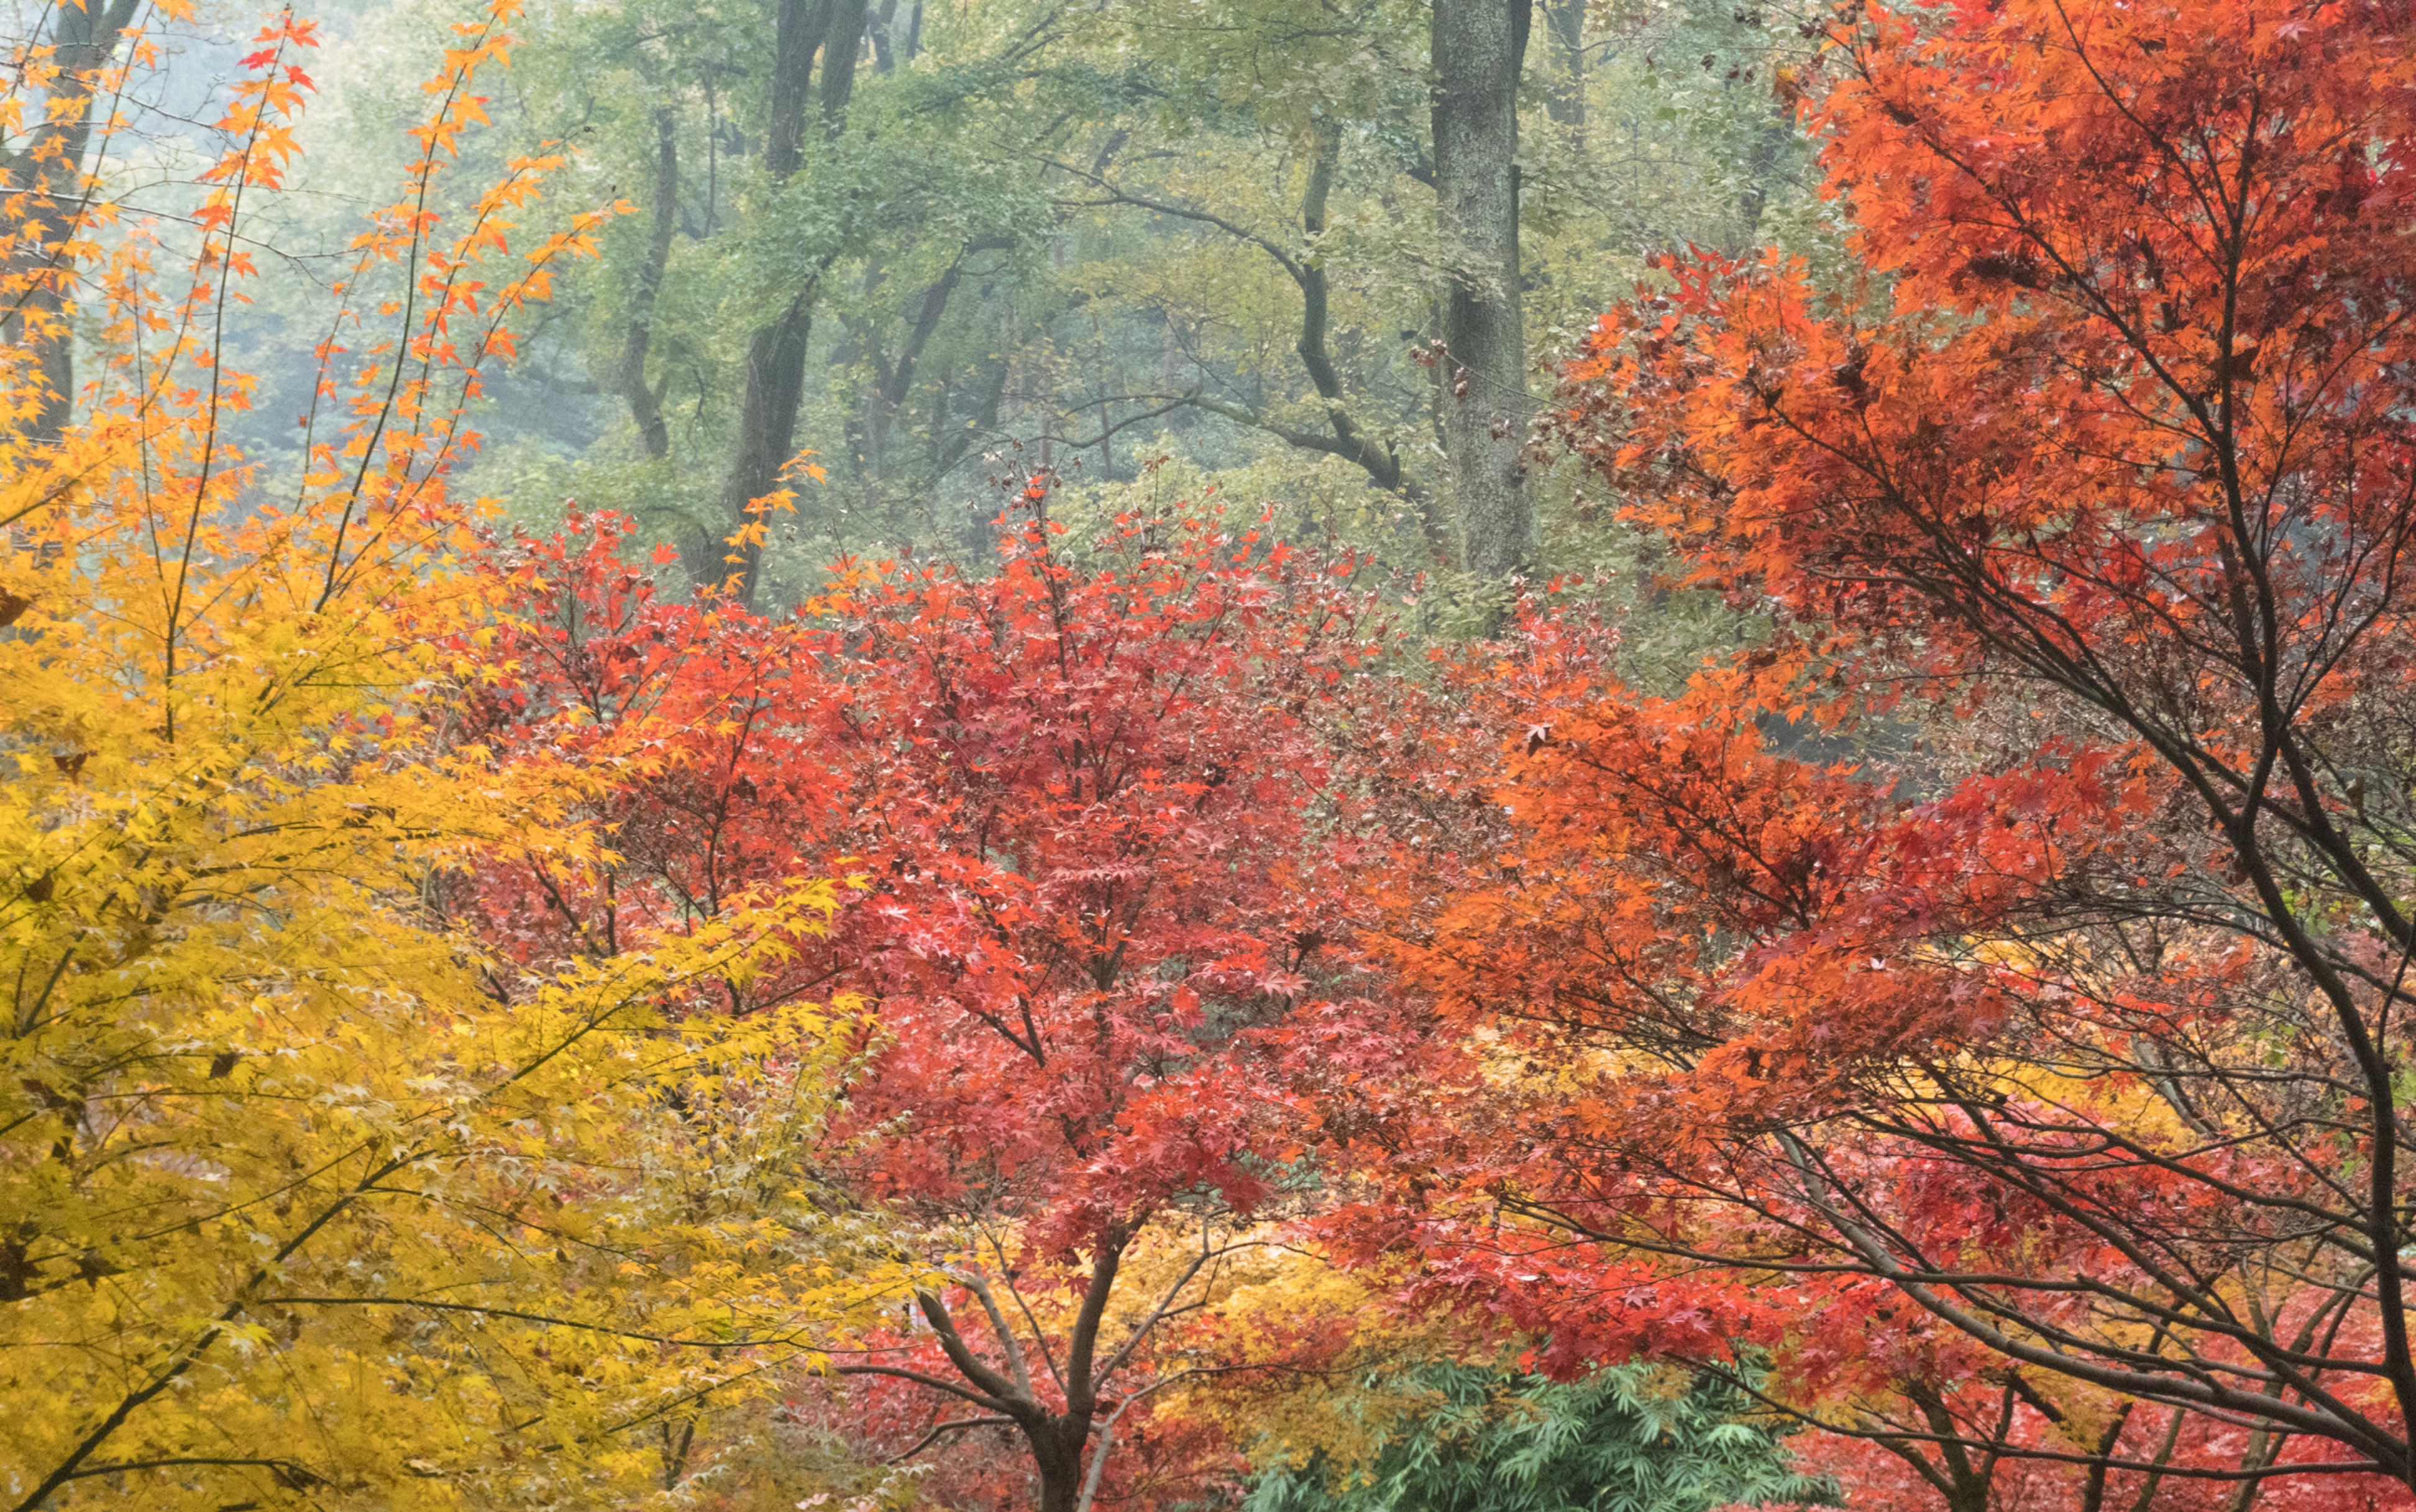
(775,376)
(1057,1453)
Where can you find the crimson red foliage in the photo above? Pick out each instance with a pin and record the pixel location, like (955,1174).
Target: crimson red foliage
(1094,875)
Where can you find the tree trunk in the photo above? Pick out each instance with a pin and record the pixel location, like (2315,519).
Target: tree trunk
(1762,166)
(1057,1454)
(1380,460)
(768,436)
(1566,104)
(884,47)
(776,352)
(646,400)
(1478,48)
(847,22)
(47,177)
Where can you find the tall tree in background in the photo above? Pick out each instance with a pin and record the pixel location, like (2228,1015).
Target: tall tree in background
(1566,21)
(1480,47)
(62,84)
(775,374)
(1021,239)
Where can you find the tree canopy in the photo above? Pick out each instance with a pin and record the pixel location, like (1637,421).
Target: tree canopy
(1283,755)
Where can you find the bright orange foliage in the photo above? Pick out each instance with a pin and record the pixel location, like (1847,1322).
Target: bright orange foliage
(1986,994)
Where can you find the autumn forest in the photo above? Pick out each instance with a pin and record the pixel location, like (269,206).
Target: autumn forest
(1208,755)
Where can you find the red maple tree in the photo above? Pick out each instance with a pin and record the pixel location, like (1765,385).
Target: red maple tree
(1094,888)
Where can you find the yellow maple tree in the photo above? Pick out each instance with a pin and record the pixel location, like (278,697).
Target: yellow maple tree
(306,1196)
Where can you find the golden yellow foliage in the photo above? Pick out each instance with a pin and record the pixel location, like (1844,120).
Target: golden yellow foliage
(303,1197)
(1281,1309)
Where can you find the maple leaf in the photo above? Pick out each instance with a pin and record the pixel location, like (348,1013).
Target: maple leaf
(348,1116)
(1824,978)
(1081,932)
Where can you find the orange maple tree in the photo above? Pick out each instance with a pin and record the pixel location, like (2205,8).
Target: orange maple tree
(1981,1002)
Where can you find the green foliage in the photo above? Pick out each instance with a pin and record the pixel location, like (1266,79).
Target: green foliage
(1005,256)
(1617,1440)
